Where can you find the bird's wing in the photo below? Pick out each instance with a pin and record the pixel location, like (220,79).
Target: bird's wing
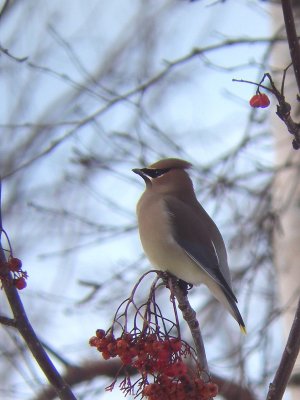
(191,232)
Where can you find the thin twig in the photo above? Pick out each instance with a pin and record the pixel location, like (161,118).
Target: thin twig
(287,362)
(170,66)
(4,8)
(8,321)
(7,52)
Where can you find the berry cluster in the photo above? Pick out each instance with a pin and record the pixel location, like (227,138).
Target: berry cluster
(19,276)
(180,389)
(158,357)
(147,353)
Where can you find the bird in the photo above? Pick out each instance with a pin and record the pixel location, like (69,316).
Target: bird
(177,234)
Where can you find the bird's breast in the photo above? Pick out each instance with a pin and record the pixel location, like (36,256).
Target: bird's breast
(159,244)
(155,229)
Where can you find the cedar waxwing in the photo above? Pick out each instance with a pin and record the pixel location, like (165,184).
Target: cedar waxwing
(178,235)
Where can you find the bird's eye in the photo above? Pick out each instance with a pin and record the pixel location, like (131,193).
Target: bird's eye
(155,173)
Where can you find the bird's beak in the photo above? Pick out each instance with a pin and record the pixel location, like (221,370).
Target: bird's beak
(140,172)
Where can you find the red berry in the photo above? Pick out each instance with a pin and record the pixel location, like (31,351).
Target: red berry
(151,338)
(94,341)
(106,355)
(127,337)
(199,384)
(20,283)
(212,389)
(122,344)
(110,338)
(112,349)
(102,344)
(158,346)
(126,359)
(178,369)
(209,390)
(259,100)
(14,264)
(100,333)
(175,345)
(133,351)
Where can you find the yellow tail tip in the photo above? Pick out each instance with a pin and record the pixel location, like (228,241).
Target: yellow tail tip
(243,329)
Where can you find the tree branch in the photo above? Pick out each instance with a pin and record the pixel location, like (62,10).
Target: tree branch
(291,32)
(190,317)
(23,325)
